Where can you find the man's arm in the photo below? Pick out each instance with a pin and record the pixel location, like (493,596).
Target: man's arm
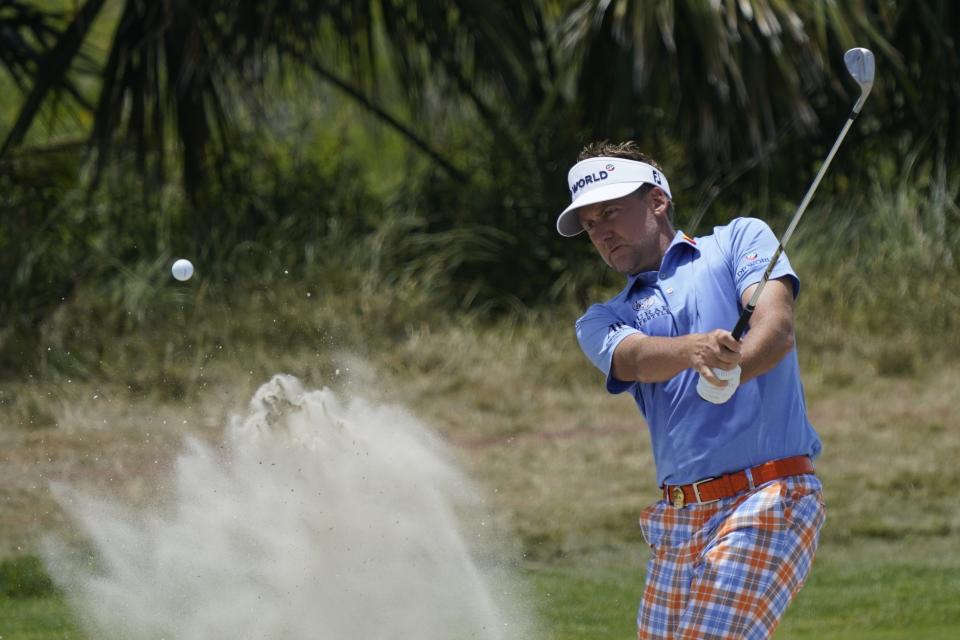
(645,358)
(771,334)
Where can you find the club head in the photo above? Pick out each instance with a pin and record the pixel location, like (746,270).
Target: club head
(861,66)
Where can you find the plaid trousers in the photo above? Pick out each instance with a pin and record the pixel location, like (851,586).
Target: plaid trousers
(729,569)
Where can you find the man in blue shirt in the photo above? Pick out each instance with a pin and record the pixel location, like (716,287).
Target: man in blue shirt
(734,537)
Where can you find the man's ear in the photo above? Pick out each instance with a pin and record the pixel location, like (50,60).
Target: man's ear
(660,201)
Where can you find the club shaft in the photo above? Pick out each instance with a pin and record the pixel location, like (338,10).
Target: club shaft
(747,312)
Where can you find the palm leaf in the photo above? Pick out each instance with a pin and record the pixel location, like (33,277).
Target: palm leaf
(51,68)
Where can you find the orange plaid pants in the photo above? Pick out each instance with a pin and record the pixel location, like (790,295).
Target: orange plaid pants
(729,569)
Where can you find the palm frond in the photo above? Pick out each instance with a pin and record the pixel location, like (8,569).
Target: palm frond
(47,66)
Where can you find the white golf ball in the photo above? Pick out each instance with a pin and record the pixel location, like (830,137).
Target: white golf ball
(182,269)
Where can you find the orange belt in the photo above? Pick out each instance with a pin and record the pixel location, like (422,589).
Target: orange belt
(730,484)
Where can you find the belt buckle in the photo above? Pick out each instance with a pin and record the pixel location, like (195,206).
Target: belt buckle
(696,490)
(676,497)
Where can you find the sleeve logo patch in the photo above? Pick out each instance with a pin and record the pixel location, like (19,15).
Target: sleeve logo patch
(752,261)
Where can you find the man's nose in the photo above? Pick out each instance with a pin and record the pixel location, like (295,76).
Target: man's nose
(604,231)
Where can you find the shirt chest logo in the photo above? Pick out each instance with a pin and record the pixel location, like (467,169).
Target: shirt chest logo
(645,303)
(649,308)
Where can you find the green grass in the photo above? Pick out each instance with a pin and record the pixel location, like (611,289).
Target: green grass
(587,599)
(877,601)
(584,601)
(43,618)
(594,597)
(30,605)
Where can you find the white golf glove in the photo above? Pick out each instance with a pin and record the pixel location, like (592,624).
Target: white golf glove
(719,395)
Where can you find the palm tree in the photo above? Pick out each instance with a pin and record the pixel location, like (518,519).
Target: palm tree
(730,93)
(723,78)
(734,80)
(32,47)
(171,65)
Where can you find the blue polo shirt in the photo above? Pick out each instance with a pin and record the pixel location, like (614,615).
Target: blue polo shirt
(698,289)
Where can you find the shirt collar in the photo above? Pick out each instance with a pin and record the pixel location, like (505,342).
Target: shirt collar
(682,238)
(648,278)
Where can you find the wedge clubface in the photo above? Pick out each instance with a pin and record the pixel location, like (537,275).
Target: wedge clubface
(861,66)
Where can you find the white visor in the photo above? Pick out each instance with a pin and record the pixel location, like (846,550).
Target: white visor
(600,179)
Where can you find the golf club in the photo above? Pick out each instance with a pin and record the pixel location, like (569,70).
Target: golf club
(860,65)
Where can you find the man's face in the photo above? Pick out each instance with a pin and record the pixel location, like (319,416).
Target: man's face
(628,232)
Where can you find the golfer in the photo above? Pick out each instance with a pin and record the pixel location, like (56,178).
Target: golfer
(734,536)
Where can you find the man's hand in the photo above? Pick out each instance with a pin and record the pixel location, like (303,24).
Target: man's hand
(716,357)
(715,350)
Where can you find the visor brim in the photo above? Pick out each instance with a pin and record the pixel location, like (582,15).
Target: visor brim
(568,224)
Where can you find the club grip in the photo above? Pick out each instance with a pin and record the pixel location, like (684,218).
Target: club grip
(742,323)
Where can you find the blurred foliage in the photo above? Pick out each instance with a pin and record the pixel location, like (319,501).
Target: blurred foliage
(411,155)
(886,261)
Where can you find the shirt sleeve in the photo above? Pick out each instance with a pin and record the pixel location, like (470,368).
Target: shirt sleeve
(750,246)
(599,332)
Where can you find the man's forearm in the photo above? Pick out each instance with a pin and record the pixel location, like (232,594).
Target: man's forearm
(771,335)
(764,347)
(644,358)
